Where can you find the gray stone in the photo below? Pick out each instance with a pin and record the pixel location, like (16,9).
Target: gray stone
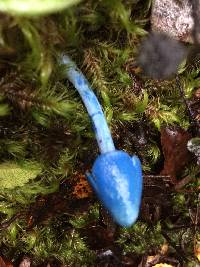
(173,17)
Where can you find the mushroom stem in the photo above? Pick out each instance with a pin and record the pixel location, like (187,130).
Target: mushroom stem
(92,105)
(116,177)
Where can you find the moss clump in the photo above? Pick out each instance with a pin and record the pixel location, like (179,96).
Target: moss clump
(141,238)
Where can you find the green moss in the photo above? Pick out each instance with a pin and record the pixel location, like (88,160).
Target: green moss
(141,238)
(83,220)
(44,124)
(43,243)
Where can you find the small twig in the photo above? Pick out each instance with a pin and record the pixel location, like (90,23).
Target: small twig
(197,214)
(6,224)
(183,182)
(180,252)
(192,190)
(183,226)
(156,176)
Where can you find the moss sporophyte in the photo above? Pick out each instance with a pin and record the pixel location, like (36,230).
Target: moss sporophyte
(116,177)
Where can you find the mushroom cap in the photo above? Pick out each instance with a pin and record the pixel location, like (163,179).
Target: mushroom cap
(117,180)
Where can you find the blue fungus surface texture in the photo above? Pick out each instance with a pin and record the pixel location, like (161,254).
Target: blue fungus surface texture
(117,179)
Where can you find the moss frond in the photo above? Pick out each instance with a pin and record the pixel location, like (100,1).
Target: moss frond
(141,238)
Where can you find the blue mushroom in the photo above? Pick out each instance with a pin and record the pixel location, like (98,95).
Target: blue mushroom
(116,177)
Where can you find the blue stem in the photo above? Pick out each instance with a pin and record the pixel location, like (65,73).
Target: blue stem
(92,105)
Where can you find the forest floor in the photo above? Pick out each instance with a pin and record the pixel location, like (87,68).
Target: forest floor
(49,215)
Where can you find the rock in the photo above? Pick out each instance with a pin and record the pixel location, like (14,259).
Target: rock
(173,17)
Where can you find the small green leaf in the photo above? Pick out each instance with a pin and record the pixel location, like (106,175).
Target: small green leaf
(156,121)
(141,105)
(34,7)
(128,116)
(15,174)
(182,67)
(154,152)
(109,115)
(46,69)
(4,109)
(106,99)
(41,118)
(63,108)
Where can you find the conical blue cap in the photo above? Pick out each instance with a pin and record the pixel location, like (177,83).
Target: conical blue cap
(117,179)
